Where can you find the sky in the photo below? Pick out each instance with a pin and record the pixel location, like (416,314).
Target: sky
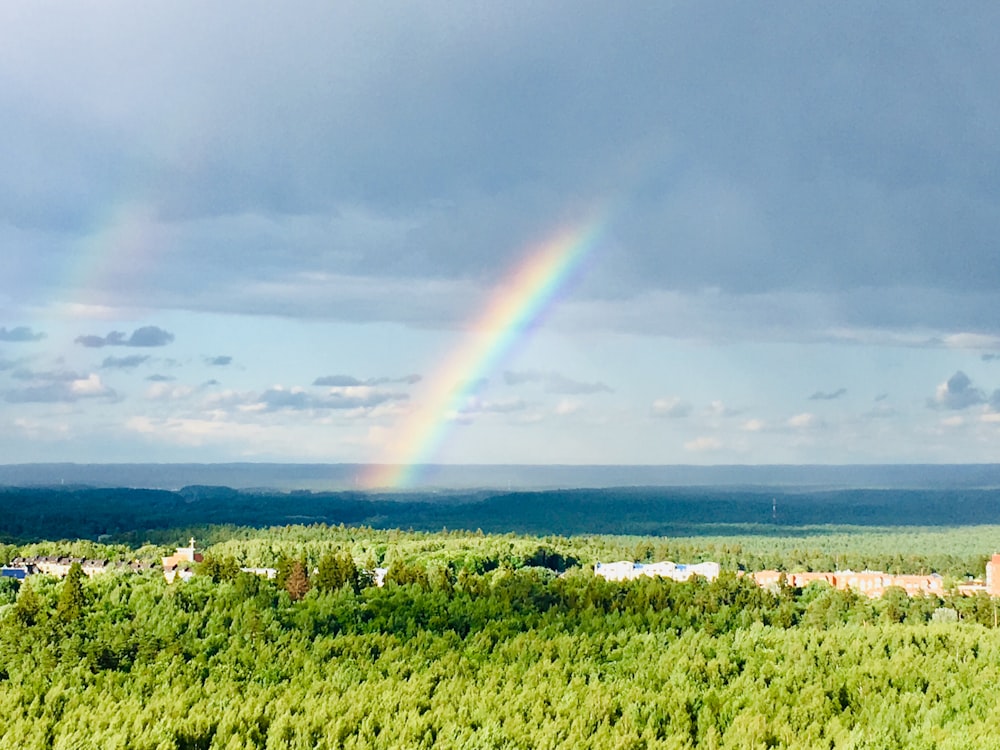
(499,233)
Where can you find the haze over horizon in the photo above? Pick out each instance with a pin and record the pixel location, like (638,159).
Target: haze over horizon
(499,234)
(317,477)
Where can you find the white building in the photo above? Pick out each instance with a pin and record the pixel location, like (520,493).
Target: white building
(629,571)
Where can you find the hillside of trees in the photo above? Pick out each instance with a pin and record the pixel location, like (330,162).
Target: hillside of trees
(491,630)
(88,512)
(482,641)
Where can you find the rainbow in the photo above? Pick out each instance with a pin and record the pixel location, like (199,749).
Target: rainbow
(123,244)
(515,307)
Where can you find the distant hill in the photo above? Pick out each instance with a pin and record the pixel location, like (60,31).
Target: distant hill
(319,477)
(128,514)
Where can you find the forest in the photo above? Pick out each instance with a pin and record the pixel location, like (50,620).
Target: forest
(135,514)
(480,640)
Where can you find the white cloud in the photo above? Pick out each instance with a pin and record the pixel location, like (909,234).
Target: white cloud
(971,341)
(476,406)
(89,386)
(803,421)
(566,407)
(703,444)
(718,408)
(673,407)
(194,431)
(167,391)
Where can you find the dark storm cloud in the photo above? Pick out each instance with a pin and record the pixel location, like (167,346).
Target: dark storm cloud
(20,334)
(124,363)
(957,393)
(554,382)
(349,381)
(222,360)
(754,152)
(146,336)
(828,395)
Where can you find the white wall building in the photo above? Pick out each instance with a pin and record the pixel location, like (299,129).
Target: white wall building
(629,571)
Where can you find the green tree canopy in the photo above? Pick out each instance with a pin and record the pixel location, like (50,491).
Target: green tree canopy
(71,600)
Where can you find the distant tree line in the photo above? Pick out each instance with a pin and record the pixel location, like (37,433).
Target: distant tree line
(135,514)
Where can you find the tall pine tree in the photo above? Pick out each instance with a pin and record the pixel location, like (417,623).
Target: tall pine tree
(28,607)
(70,605)
(297,584)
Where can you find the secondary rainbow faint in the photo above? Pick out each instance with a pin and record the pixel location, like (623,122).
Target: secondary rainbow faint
(122,246)
(514,307)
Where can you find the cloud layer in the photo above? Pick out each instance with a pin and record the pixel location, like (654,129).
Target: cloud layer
(838,169)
